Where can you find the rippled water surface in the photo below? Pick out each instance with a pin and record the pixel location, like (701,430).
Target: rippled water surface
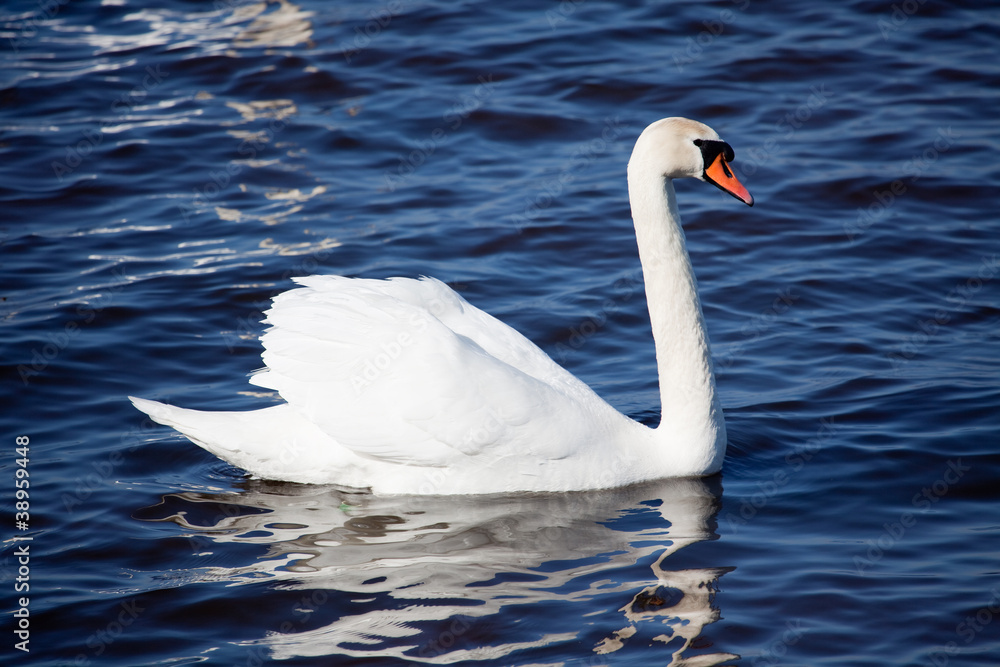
(166,168)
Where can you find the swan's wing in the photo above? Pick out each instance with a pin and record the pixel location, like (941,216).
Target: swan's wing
(407,371)
(496,338)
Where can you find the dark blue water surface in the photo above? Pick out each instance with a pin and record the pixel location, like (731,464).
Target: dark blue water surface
(165,168)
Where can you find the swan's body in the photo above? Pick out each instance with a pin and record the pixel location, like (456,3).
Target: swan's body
(403,387)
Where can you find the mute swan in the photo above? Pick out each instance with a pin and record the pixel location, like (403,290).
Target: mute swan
(401,386)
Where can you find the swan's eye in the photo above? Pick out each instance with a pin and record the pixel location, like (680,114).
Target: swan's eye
(712,148)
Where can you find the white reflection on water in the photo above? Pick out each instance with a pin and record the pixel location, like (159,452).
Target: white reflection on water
(467,558)
(222,25)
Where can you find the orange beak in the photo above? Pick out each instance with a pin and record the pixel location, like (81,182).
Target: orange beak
(719,175)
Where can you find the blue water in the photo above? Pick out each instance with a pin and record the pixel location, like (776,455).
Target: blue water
(165,168)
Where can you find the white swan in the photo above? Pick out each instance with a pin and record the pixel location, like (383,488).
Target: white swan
(403,387)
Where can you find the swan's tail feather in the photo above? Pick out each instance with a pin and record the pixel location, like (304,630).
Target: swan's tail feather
(270,442)
(210,430)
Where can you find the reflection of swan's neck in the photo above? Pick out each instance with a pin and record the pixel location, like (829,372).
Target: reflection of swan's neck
(691,415)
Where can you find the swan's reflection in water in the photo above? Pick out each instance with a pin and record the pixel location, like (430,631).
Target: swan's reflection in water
(454,566)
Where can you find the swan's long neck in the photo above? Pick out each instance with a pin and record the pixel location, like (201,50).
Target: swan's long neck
(691,415)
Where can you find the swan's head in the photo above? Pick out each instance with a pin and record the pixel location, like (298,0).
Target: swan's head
(680,148)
